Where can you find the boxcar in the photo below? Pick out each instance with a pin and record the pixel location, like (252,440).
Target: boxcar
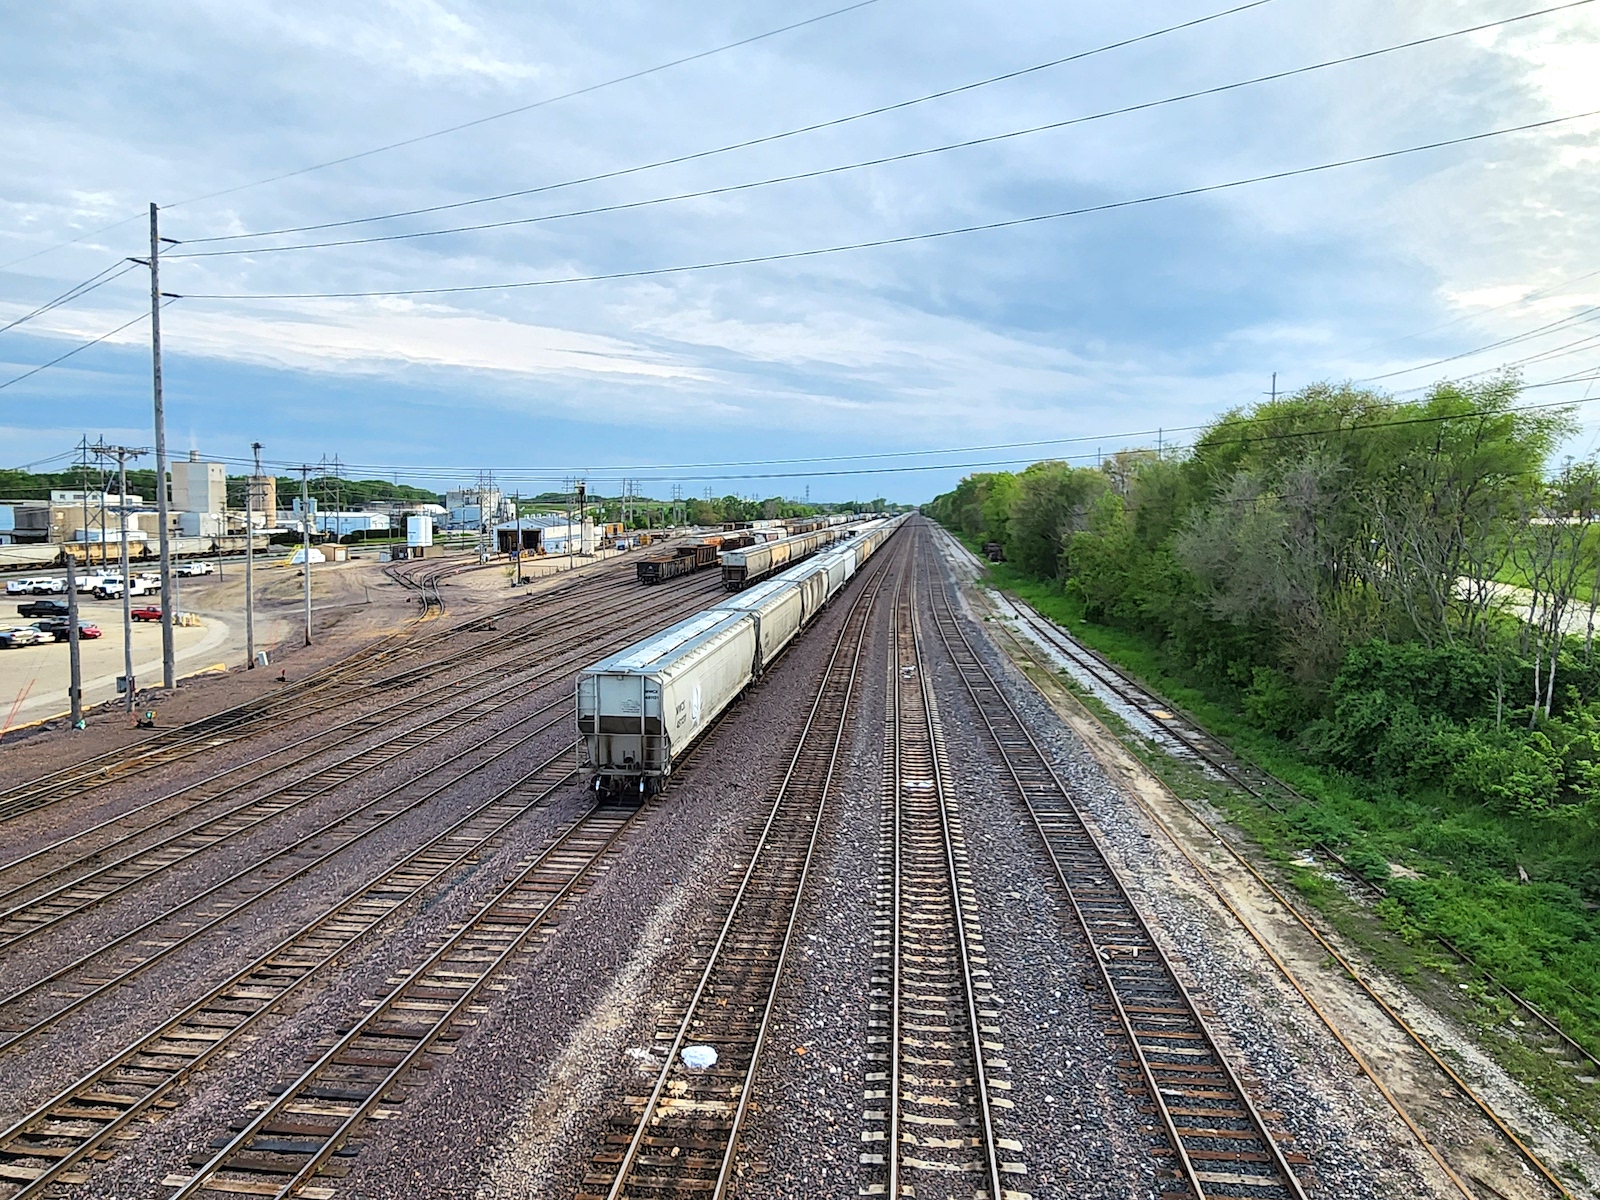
(640,709)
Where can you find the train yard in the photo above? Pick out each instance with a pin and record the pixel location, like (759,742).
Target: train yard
(877,925)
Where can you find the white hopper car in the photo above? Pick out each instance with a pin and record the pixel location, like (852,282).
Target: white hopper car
(640,709)
(741,568)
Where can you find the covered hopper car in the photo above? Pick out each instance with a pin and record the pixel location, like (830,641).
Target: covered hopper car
(641,709)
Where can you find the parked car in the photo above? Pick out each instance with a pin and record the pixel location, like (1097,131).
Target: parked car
(21,635)
(60,628)
(198,567)
(35,586)
(149,612)
(49,587)
(43,608)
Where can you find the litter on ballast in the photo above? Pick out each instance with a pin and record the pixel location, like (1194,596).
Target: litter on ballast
(698,1058)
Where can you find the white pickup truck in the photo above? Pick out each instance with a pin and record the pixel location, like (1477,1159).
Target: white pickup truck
(195,567)
(110,587)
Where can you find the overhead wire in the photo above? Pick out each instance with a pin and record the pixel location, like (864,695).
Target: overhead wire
(97,280)
(904,239)
(883,160)
(1581,315)
(60,358)
(437,133)
(748,143)
(549,100)
(635,471)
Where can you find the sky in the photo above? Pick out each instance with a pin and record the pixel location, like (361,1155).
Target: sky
(1084,334)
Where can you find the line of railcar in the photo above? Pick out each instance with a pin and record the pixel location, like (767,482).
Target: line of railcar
(752,564)
(640,709)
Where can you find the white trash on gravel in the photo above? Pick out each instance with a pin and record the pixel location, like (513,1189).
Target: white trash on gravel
(698,1058)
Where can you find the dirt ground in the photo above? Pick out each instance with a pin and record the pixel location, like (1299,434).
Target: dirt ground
(1311,982)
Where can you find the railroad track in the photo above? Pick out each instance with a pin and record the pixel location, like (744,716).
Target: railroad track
(1208,1128)
(51,1144)
(118,864)
(931,1110)
(329,689)
(1276,794)
(682,1137)
(1214,754)
(138,949)
(115,963)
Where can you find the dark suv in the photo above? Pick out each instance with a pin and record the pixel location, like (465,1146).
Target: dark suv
(43,608)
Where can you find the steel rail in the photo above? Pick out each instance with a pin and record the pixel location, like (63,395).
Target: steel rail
(1220,759)
(286,706)
(335,1137)
(211,919)
(360,727)
(1193,737)
(790,833)
(236,821)
(1187,1143)
(89,1113)
(477,951)
(1357,977)
(918,749)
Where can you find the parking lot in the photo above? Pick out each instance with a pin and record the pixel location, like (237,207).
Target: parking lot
(34,679)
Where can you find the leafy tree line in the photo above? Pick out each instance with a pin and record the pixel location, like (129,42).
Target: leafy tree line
(1331,561)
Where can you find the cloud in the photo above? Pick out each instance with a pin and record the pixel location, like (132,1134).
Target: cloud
(1147,317)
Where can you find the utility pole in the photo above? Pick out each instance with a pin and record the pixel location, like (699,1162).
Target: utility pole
(305,540)
(249,560)
(583,490)
(169,673)
(122,455)
(516,556)
(75,688)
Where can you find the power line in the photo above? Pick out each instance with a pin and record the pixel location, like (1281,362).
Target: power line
(73,293)
(747,144)
(906,156)
(411,141)
(1582,315)
(555,474)
(906,239)
(76,350)
(511,112)
(5,266)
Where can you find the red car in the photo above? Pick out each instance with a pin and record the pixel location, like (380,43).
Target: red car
(88,631)
(151,613)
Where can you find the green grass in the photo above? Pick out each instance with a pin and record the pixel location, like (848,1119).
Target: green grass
(1538,938)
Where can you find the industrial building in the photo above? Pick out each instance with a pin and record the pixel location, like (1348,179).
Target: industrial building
(198,487)
(477,508)
(546,534)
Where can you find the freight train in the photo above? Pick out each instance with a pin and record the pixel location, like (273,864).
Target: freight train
(640,709)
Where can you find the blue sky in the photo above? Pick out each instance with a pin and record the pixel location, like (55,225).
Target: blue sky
(1095,327)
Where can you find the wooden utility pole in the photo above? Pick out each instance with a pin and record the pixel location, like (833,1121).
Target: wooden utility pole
(249,561)
(75,688)
(305,540)
(122,455)
(169,676)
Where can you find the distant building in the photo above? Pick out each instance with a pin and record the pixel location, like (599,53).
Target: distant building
(548,534)
(477,507)
(199,487)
